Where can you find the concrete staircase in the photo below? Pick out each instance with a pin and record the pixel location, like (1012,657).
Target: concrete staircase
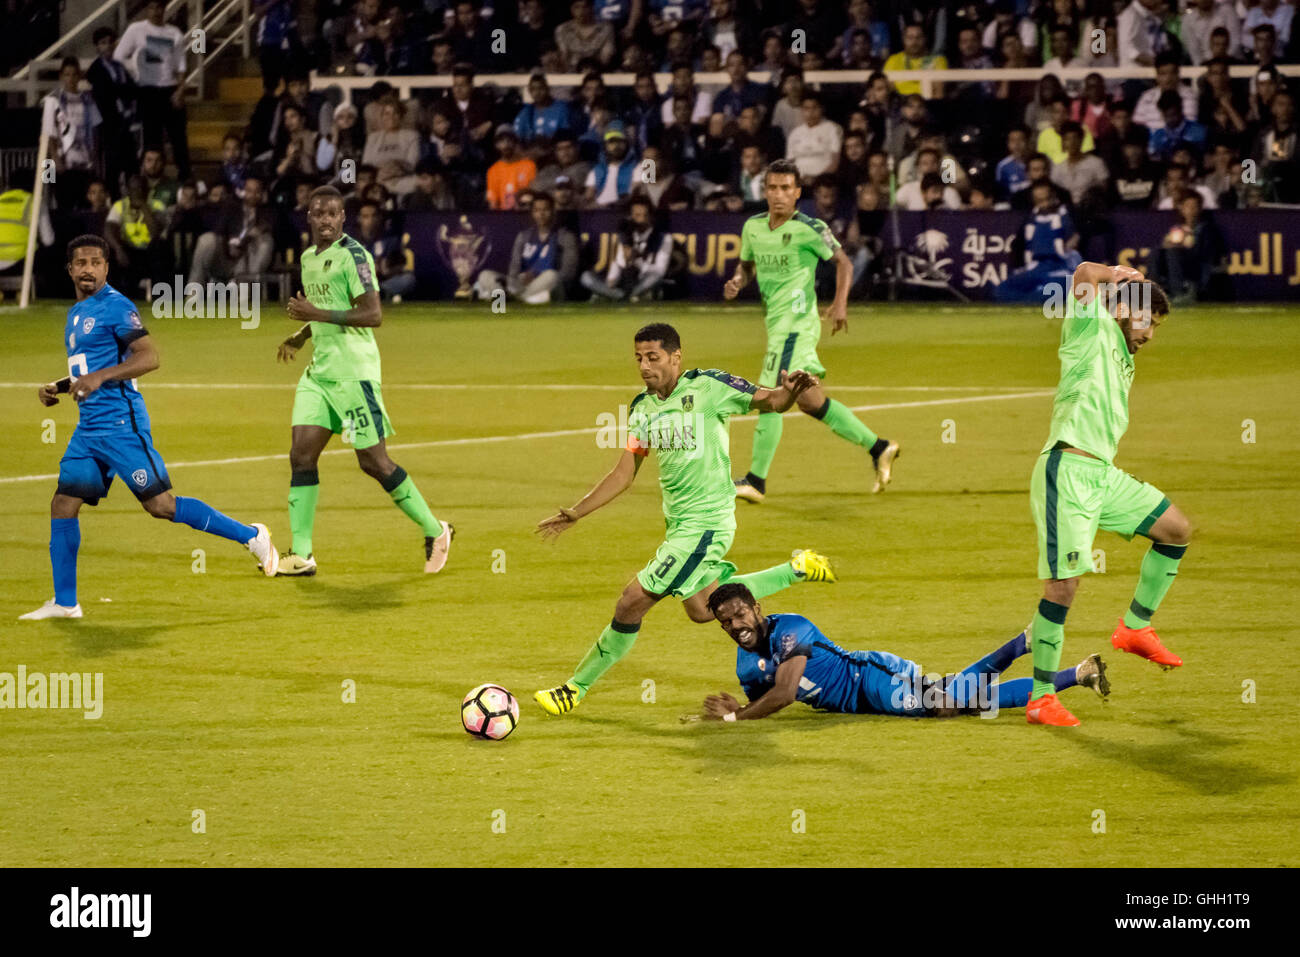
(233,89)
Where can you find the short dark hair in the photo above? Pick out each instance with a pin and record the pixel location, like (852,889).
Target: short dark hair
(102,33)
(640,199)
(782,167)
(324,192)
(1168,100)
(88,239)
(1168,58)
(662,333)
(70,61)
(463,69)
(931,181)
(1071,126)
(1159,298)
(726,592)
(542,196)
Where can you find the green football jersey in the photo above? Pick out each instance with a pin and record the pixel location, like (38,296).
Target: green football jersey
(331,279)
(1091,407)
(690,435)
(785,260)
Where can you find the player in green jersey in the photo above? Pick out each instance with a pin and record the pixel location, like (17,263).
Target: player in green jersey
(339,392)
(1076,488)
(683,417)
(782,247)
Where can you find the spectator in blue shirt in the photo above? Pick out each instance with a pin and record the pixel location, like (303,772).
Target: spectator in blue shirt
(741,92)
(1177,132)
(545,116)
(1011,174)
(1050,242)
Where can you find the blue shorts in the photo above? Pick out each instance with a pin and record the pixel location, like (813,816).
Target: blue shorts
(93,458)
(890,685)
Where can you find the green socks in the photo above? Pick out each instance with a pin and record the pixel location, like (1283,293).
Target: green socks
(1159,568)
(768,581)
(408,498)
(845,424)
(1048,634)
(614,642)
(767,436)
(304,489)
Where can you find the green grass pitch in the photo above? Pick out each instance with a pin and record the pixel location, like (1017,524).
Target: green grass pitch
(223,690)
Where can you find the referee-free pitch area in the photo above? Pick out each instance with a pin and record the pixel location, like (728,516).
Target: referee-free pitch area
(223,692)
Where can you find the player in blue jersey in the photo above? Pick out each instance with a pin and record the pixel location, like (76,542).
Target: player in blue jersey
(108,348)
(785,658)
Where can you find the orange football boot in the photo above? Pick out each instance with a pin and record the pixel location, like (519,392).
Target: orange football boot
(1145,643)
(1048,710)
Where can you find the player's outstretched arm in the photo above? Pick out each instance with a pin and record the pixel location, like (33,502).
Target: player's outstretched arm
(838,311)
(783,396)
(141,359)
(289,348)
(365,311)
(605,491)
(781,694)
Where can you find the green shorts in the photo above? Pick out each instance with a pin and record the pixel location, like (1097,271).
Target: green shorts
(798,350)
(1072,496)
(688,560)
(354,408)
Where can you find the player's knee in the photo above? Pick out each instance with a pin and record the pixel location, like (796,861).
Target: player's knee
(812,402)
(377,469)
(161,506)
(301,460)
(1179,531)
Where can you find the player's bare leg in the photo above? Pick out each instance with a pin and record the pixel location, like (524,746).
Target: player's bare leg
(65,539)
(304,490)
(849,427)
(1170,536)
(374,461)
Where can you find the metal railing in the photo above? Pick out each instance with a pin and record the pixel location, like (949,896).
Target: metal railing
(928,79)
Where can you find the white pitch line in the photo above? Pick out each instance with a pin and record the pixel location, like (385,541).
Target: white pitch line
(556,433)
(527,386)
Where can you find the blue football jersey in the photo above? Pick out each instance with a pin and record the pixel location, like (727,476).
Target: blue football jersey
(97,334)
(852,682)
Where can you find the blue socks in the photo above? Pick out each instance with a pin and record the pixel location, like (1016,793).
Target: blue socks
(1011,694)
(999,661)
(204,518)
(1015,694)
(65,539)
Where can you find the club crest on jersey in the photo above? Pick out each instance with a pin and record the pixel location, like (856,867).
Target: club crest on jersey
(133,320)
(87,325)
(139,477)
(326,266)
(785,239)
(1072,559)
(363,272)
(688,403)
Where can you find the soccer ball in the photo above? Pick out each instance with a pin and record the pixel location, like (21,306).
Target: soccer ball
(489,711)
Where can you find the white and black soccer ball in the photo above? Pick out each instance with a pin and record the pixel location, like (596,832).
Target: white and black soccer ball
(489,711)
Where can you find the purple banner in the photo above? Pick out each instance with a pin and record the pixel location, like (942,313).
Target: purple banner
(969,252)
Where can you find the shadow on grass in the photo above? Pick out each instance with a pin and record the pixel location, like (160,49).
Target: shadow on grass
(96,641)
(1187,762)
(388,595)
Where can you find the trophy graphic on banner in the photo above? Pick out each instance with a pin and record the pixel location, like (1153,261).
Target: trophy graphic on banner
(464,250)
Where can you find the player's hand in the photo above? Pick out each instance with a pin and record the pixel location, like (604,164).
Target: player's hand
(798,382)
(731,289)
(551,528)
(85,385)
(288,349)
(300,310)
(837,314)
(48,394)
(718,706)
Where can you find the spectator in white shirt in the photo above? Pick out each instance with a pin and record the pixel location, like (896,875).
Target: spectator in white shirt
(1168,77)
(1200,20)
(70,121)
(1276,14)
(154,52)
(815,144)
(920,193)
(1140,33)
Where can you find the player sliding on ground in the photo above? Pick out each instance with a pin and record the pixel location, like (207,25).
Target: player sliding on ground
(783,246)
(1112,312)
(340,392)
(781,659)
(683,417)
(108,349)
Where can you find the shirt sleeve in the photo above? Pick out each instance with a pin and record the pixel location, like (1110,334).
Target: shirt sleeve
(125,323)
(361,277)
(792,637)
(746,247)
(728,394)
(638,428)
(823,241)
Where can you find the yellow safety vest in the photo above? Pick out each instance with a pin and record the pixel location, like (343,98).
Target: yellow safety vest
(15,219)
(136,231)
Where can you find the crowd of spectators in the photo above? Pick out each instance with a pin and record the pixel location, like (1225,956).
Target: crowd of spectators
(1080,146)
